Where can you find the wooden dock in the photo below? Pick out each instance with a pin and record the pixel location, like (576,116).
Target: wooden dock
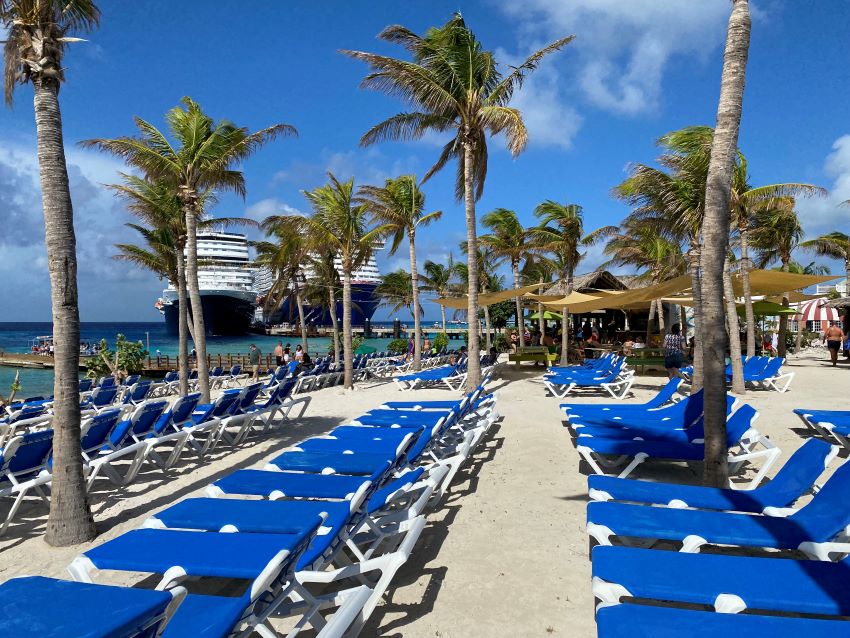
(381,332)
(36,361)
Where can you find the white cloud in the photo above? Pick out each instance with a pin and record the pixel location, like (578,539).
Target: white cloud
(258,211)
(824,214)
(367,166)
(624,47)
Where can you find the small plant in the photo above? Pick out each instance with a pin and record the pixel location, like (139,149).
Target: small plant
(127,358)
(500,342)
(397,346)
(441,341)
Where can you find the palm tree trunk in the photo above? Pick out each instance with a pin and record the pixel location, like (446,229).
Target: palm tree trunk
(565,330)
(749,315)
(540,320)
(332,299)
(517,299)
(473,377)
(738,386)
(696,287)
(683,320)
(200,334)
(783,319)
(300,304)
(485,290)
(652,309)
(662,326)
(183,323)
(443,314)
(715,234)
(847,277)
(70,521)
(417,317)
(347,350)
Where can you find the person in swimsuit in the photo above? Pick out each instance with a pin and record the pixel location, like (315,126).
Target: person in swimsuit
(834,337)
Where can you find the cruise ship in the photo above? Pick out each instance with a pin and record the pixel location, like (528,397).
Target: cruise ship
(226,278)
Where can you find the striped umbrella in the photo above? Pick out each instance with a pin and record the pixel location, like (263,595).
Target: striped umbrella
(818,312)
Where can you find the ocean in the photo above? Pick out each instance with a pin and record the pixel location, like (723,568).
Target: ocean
(18,336)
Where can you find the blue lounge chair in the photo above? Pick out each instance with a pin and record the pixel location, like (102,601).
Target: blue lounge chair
(24,467)
(170,430)
(730,584)
(50,608)
(101,398)
(644,621)
(771,377)
(452,376)
(813,529)
(741,439)
(796,477)
(666,395)
(617,383)
(137,393)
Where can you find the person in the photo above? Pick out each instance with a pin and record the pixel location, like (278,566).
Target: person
(548,340)
(254,359)
(834,337)
(514,339)
(411,347)
(299,353)
(494,356)
(526,336)
(674,354)
(639,343)
(628,344)
(586,329)
(278,353)
(306,361)
(287,357)
(426,345)
(535,338)
(767,343)
(692,344)
(611,332)
(591,342)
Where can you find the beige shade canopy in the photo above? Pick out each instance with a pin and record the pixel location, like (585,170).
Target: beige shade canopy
(486,299)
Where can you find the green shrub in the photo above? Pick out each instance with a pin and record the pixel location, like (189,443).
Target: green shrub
(501,343)
(397,346)
(441,341)
(127,358)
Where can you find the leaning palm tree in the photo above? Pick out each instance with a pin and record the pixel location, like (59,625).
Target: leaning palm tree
(454,85)
(396,292)
(400,206)
(438,279)
(37,33)
(715,237)
(835,245)
(561,233)
(775,233)
(506,241)
(341,225)
(202,160)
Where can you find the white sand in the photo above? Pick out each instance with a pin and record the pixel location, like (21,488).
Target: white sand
(507,554)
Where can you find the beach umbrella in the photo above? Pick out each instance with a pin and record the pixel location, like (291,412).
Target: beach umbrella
(768,309)
(547,315)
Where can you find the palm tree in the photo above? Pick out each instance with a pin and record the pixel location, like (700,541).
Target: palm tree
(285,257)
(506,241)
(715,237)
(775,233)
(341,225)
(202,161)
(538,269)
(835,245)
(396,292)
(561,232)
(323,287)
(455,85)
(488,281)
(38,32)
(437,279)
(399,205)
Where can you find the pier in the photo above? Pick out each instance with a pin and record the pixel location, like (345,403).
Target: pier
(375,332)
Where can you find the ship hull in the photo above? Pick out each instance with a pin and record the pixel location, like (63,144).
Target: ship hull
(364,302)
(224,314)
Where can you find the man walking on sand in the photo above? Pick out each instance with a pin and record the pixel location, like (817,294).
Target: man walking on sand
(834,337)
(254,360)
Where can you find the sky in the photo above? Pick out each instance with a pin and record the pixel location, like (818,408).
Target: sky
(636,70)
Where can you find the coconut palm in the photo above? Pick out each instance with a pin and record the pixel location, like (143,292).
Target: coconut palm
(396,292)
(835,245)
(455,85)
(323,287)
(506,241)
(201,161)
(438,279)
(488,281)
(400,206)
(38,32)
(341,225)
(538,269)
(715,238)
(561,233)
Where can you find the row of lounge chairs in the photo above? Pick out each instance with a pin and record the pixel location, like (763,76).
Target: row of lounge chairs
(609,373)
(118,443)
(338,516)
(759,372)
(777,561)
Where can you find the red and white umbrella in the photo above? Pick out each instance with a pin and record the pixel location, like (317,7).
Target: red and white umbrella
(816,310)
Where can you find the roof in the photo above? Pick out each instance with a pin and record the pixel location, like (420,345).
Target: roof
(598,279)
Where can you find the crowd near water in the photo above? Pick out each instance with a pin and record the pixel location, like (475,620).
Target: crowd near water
(17,337)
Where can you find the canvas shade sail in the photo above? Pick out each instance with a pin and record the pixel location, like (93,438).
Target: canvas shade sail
(486,299)
(767,309)
(547,314)
(776,282)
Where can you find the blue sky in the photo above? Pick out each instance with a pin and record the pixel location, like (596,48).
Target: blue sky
(637,69)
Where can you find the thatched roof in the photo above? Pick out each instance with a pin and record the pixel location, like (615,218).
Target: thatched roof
(841,302)
(596,280)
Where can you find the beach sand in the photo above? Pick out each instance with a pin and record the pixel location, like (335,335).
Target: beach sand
(507,555)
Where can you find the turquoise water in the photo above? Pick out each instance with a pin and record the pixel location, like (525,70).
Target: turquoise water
(16,337)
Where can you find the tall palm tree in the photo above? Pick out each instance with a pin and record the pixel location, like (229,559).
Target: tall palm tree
(561,232)
(488,281)
(454,85)
(775,233)
(506,241)
(285,257)
(396,292)
(341,225)
(400,206)
(835,245)
(437,279)
(202,160)
(33,52)
(323,286)
(715,237)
